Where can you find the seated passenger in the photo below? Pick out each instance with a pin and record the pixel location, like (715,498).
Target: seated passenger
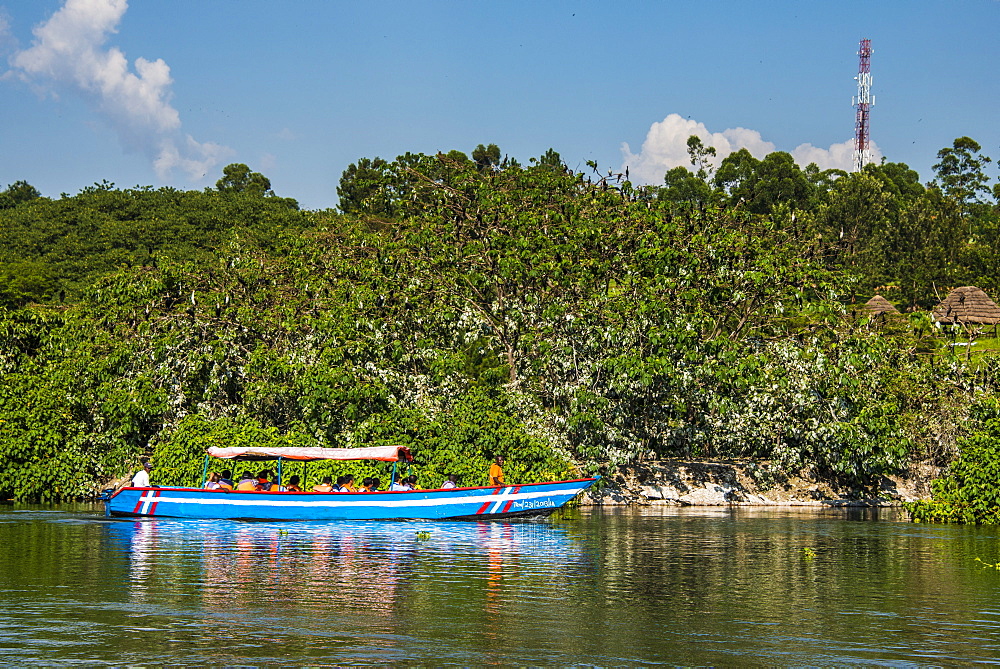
(399,486)
(213,481)
(293,484)
(226,480)
(367,483)
(376,484)
(247,482)
(262,480)
(348,484)
(325,486)
(276,484)
(411,481)
(452,481)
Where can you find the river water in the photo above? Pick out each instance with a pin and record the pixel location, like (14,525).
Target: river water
(675,586)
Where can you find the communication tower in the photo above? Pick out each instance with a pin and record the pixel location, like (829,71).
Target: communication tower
(864,101)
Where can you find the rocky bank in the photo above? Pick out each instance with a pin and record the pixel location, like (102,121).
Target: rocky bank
(681,482)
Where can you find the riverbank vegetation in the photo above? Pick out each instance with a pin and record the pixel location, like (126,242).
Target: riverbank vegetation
(475,306)
(969,492)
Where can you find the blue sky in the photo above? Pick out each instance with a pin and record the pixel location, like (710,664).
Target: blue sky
(167,92)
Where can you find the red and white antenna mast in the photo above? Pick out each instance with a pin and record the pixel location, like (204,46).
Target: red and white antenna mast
(863,102)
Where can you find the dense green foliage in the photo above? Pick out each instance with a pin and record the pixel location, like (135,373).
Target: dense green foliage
(474,307)
(881,225)
(54,249)
(969,492)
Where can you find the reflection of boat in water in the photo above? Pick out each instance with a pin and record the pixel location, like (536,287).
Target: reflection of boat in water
(309,565)
(479,503)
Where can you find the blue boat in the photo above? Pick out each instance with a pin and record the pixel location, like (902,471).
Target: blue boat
(476,503)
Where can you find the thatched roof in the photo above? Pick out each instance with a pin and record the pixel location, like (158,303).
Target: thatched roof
(967,304)
(879,305)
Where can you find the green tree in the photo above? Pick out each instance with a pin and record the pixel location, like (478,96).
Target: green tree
(822,180)
(899,179)
(486,157)
(680,186)
(457,157)
(550,159)
(237,178)
(700,156)
(77,239)
(736,176)
(780,181)
(960,171)
(857,226)
(761,186)
(18,193)
(364,188)
(927,255)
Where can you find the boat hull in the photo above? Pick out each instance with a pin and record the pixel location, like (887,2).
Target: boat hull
(533,499)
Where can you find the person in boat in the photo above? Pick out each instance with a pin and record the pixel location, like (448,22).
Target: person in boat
(213,481)
(141,479)
(376,484)
(325,486)
(452,481)
(339,485)
(276,484)
(496,471)
(247,482)
(366,484)
(226,480)
(263,482)
(348,484)
(411,481)
(293,484)
(400,485)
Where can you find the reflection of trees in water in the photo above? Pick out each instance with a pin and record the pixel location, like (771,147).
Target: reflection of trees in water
(688,586)
(803,573)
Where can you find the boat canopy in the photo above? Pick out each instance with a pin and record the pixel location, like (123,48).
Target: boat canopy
(383,453)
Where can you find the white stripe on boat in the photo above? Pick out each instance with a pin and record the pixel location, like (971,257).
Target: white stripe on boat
(502,498)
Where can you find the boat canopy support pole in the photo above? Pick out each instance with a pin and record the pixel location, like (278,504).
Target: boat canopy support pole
(392,481)
(279,471)
(204,472)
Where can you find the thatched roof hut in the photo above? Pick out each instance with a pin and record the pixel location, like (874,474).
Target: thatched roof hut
(878,305)
(967,304)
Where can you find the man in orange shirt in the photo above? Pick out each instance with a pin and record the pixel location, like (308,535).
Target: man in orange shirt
(496,471)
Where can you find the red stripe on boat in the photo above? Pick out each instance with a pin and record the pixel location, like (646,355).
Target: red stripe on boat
(482,509)
(138,504)
(506,507)
(152,508)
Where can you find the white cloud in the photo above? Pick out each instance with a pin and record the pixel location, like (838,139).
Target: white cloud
(69,52)
(7,41)
(197,159)
(838,156)
(665,147)
(268,161)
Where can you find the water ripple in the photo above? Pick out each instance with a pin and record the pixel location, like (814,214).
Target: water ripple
(718,587)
